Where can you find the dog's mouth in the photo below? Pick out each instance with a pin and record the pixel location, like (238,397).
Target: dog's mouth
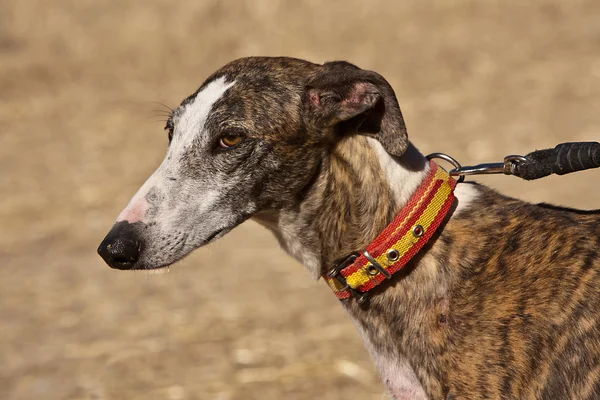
(214,235)
(162,267)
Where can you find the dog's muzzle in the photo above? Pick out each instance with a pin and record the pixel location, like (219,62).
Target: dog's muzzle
(122,246)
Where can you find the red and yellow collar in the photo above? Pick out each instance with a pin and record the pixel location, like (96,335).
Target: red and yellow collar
(399,242)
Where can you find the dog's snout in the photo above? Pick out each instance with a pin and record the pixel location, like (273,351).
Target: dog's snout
(121,248)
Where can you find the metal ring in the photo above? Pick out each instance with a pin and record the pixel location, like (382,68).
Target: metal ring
(511,162)
(515,158)
(372,270)
(393,255)
(451,160)
(418,231)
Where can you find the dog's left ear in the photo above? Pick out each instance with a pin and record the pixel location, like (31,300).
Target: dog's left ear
(346,98)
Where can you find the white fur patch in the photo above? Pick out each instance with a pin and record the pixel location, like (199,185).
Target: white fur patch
(190,126)
(402,181)
(465,194)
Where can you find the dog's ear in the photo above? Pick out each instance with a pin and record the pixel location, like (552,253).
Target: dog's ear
(346,98)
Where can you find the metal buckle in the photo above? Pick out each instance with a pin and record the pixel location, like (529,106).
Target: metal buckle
(335,273)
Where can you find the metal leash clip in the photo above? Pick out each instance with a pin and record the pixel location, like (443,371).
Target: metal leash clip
(508,167)
(565,158)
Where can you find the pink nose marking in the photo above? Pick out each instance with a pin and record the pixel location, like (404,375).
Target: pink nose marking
(134,212)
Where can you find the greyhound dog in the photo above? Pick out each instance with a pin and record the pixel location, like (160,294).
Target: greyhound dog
(457,291)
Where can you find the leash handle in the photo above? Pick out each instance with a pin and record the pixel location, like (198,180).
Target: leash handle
(563,159)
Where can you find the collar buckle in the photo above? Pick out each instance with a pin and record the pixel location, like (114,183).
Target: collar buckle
(336,273)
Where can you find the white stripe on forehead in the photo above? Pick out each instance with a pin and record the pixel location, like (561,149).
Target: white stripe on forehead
(195,113)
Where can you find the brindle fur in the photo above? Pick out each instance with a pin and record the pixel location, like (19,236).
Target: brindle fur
(503,301)
(503,304)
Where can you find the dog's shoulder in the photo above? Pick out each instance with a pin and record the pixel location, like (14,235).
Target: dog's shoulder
(485,202)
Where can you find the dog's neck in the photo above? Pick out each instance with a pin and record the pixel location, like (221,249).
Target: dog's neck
(359,190)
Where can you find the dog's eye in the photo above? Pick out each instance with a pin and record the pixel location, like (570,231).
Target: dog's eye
(230,140)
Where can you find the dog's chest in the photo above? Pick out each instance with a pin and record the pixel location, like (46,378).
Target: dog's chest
(397,374)
(399,378)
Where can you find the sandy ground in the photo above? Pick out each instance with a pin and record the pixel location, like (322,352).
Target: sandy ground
(238,320)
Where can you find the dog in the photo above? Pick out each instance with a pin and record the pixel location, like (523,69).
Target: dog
(498,299)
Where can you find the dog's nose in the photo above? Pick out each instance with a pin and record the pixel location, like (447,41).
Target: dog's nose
(120,249)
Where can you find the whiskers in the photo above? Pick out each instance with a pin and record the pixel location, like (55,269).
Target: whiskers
(162,114)
(164,105)
(157,271)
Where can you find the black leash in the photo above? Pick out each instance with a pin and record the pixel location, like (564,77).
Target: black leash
(563,159)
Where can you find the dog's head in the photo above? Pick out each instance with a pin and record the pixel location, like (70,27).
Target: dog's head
(250,139)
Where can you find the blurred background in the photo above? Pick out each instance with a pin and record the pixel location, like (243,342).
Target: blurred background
(239,319)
